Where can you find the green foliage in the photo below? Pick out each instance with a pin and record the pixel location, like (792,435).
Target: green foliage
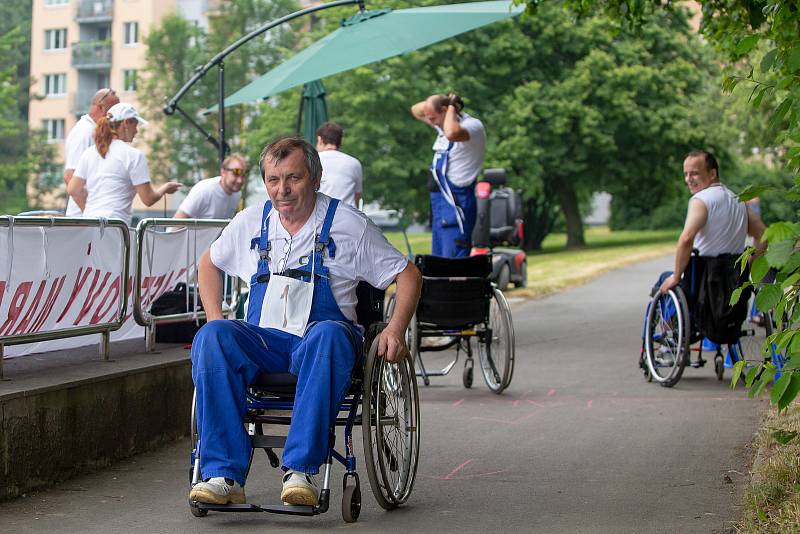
(174,50)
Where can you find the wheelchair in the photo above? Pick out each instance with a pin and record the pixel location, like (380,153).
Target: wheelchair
(459,302)
(383,400)
(670,330)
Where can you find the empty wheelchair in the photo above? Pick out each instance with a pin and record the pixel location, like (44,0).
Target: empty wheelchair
(460,303)
(672,326)
(382,399)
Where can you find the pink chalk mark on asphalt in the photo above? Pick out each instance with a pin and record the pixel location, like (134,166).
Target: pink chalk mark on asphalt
(452,474)
(589,405)
(516,421)
(551,393)
(459,402)
(539,404)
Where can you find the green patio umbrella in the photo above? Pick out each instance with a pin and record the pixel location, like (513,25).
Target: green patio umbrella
(371,36)
(313,110)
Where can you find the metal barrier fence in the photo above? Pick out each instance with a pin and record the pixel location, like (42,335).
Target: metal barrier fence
(144,317)
(104,329)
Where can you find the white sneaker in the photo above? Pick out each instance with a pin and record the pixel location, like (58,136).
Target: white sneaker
(217,490)
(299,489)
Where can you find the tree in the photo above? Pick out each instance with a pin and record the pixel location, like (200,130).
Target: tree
(15,22)
(174,50)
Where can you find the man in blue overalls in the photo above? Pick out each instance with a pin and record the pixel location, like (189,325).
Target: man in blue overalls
(458,159)
(303,254)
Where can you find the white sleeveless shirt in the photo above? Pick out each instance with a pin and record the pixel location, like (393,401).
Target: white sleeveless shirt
(725,230)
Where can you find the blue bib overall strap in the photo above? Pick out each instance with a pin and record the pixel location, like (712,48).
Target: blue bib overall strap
(227,355)
(439,169)
(259,280)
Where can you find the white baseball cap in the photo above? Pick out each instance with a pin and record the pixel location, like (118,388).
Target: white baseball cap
(122,111)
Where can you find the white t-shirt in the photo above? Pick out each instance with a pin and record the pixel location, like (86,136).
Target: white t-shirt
(362,251)
(466,157)
(342,177)
(725,230)
(79,139)
(207,200)
(111,181)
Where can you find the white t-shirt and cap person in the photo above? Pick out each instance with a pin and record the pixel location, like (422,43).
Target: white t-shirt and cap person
(81,137)
(111,173)
(216,198)
(342,176)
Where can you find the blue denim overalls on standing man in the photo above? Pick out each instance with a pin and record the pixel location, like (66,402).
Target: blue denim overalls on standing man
(228,355)
(453,210)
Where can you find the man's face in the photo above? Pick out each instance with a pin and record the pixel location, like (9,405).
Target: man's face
(232,177)
(106,102)
(434,117)
(696,175)
(289,186)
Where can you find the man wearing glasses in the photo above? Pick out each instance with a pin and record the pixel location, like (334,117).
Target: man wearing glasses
(81,137)
(216,198)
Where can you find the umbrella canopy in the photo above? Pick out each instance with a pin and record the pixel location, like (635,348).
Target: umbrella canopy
(371,36)
(313,110)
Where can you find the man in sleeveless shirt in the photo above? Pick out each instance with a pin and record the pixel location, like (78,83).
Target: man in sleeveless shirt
(717,222)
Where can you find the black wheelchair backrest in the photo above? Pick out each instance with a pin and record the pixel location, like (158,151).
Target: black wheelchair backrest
(369,308)
(455,291)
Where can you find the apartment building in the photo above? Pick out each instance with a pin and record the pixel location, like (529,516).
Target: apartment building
(80,46)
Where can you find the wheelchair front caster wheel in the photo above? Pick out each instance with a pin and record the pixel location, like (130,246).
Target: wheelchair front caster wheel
(351,503)
(466,377)
(198,512)
(719,366)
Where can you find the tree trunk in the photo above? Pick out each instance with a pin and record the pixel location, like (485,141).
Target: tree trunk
(540,214)
(568,200)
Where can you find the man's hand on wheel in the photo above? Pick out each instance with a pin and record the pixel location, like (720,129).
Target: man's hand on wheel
(669,283)
(392,345)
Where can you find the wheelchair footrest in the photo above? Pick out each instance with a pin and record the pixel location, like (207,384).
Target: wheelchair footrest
(270,508)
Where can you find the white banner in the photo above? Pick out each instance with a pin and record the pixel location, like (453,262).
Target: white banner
(66,277)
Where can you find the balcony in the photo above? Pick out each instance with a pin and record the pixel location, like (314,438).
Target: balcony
(94,11)
(80,102)
(91,55)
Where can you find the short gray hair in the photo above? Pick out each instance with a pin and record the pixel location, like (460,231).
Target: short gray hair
(283,146)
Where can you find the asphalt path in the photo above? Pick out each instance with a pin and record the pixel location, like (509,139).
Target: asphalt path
(578,443)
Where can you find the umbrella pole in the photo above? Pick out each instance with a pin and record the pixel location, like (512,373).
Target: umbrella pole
(172,105)
(222,145)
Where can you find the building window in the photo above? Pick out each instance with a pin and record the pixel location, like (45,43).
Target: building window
(55,39)
(56,2)
(129,80)
(131,31)
(55,84)
(54,129)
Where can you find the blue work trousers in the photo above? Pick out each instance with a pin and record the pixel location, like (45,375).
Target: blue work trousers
(228,355)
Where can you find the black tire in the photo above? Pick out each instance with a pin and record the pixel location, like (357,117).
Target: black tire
(466,376)
(496,349)
(504,277)
(390,428)
(666,339)
(351,503)
(523,281)
(198,512)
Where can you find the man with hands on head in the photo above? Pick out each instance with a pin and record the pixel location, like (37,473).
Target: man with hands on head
(303,254)
(459,151)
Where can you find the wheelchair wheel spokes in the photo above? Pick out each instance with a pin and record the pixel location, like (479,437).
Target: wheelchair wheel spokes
(391,429)
(667,337)
(496,349)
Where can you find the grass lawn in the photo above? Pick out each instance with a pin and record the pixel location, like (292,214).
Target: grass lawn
(555,268)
